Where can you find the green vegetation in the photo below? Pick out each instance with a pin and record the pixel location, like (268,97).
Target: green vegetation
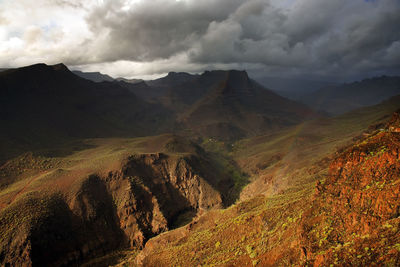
(221,158)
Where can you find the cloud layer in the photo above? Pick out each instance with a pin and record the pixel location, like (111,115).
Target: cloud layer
(143,38)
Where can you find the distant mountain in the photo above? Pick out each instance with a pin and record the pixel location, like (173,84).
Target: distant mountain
(221,104)
(236,106)
(129,80)
(225,104)
(141,89)
(173,82)
(293,88)
(42,105)
(173,79)
(94,76)
(340,99)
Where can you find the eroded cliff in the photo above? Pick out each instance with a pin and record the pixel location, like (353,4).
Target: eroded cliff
(96,213)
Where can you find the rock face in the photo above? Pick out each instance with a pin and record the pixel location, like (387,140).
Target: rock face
(152,190)
(100,213)
(355,215)
(173,181)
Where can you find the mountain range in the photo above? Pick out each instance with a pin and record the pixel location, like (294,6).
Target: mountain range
(196,169)
(327,97)
(339,99)
(42,105)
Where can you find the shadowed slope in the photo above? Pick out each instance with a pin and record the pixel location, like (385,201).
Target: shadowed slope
(93,76)
(42,106)
(235,106)
(117,194)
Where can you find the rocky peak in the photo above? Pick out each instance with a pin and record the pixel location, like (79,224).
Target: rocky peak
(60,67)
(178,74)
(237,84)
(38,72)
(41,67)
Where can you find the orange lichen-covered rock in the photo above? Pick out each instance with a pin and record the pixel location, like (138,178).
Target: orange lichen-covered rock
(359,205)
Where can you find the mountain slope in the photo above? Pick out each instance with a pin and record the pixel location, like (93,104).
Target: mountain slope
(222,104)
(349,218)
(346,97)
(115,195)
(235,106)
(94,76)
(43,105)
(274,159)
(355,216)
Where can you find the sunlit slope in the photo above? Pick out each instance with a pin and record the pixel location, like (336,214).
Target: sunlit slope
(349,217)
(110,195)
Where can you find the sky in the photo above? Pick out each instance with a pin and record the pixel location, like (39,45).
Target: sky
(316,39)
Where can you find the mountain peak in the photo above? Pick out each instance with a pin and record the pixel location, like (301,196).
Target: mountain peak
(238,76)
(173,78)
(232,71)
(237,83)
(59,67)
(237,72)
(43,66)
(38,69)
(178,74)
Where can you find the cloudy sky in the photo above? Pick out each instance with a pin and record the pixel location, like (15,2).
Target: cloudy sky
(325,39)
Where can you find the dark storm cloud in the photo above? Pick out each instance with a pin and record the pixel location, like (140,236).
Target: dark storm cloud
(321,36)
(141,37)
(155,29)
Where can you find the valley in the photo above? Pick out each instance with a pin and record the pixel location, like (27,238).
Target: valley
(211,167)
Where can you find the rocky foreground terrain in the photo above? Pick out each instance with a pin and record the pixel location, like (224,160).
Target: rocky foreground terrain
(82,206)
(349,218)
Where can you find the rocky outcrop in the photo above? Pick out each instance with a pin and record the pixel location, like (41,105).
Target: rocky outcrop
(174,180)
(100,213)
(152,189)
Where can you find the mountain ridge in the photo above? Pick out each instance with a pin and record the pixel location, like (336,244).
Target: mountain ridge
(50,104)
(94,76)
(237,104)
(342,98)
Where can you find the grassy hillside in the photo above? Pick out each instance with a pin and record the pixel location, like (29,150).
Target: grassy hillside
(113,193)
(304,222)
